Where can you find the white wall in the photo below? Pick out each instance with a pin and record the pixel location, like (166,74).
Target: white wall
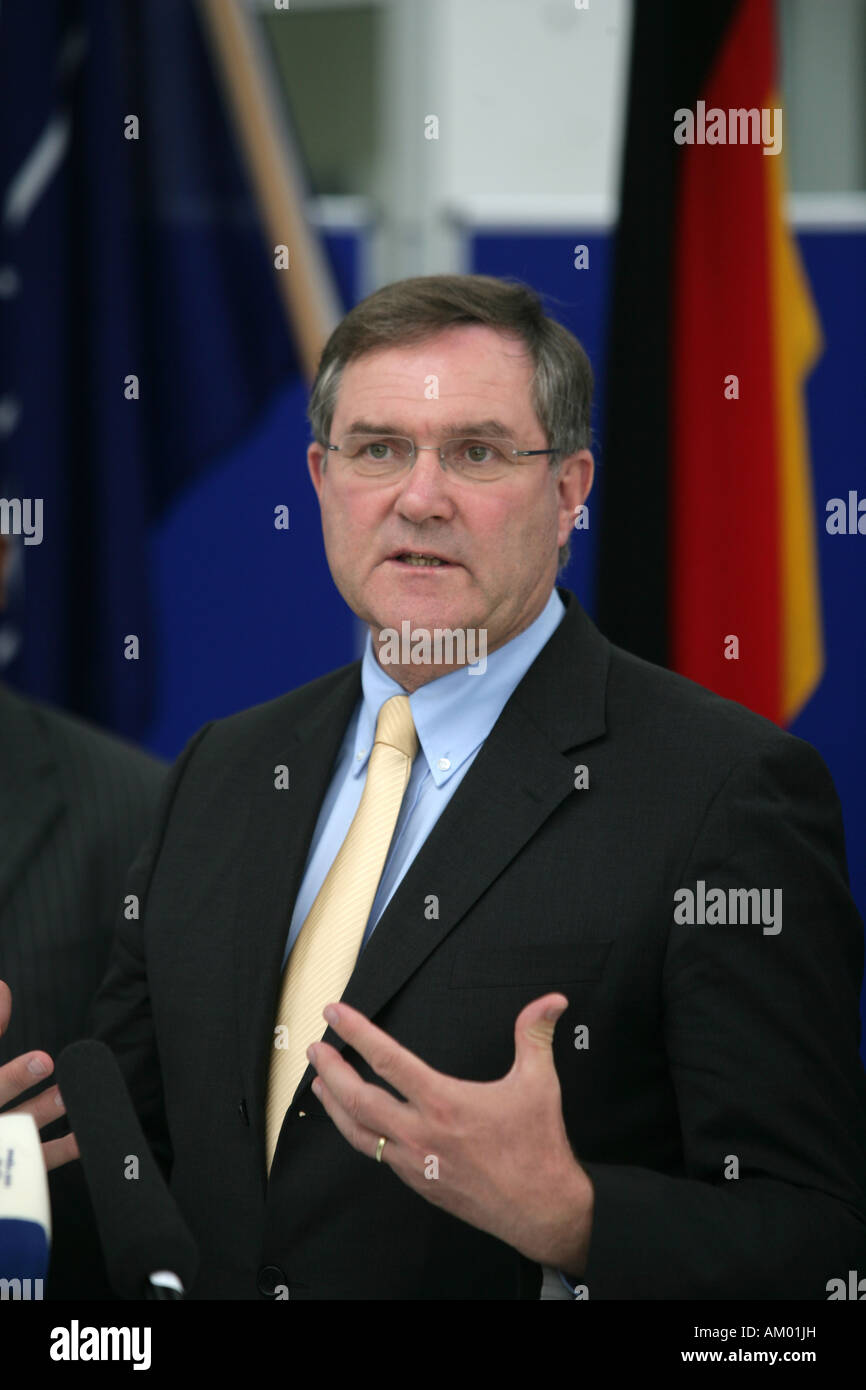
(533,92)
(530,100)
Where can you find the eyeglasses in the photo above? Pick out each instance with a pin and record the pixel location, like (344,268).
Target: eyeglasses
(387,456)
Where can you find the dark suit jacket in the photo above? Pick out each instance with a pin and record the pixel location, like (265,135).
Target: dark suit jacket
(704,1041)
(75,806)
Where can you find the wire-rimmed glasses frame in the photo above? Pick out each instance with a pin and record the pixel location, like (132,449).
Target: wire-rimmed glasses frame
(451,455)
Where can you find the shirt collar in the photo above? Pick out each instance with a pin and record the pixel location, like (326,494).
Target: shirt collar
(454,713)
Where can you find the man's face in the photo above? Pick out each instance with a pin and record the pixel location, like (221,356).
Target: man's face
(500,538)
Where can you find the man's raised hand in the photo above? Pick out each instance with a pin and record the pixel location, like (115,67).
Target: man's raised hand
(495,1153)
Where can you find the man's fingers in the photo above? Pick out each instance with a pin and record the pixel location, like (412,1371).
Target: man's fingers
(59,1151)
(395,1064)
(45,1108)
(22,1073)
(364,1104)
(354,1133)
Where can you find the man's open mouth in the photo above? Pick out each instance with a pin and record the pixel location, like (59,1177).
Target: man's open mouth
(419,558)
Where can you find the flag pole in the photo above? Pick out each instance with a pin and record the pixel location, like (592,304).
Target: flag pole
(306,287)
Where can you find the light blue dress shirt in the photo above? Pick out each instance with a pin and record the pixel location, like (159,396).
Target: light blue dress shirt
(453,716)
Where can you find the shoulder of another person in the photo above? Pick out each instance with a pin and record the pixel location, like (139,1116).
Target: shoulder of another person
(71,740)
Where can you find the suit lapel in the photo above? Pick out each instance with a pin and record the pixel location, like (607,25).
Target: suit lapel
(30,796)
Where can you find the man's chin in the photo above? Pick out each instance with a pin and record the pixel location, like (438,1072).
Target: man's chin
(419,618)
(419,602)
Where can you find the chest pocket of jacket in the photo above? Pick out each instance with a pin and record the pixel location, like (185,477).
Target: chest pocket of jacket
(536,963)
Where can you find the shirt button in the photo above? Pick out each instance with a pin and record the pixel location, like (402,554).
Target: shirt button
(270,1277)
(361,755)
(444,764)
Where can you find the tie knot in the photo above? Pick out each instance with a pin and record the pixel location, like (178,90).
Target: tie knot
(395,726)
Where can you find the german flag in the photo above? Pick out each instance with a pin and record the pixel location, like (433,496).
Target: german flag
(708,552)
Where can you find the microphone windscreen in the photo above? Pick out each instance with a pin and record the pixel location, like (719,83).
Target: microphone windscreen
(25,1208)
(140,1226)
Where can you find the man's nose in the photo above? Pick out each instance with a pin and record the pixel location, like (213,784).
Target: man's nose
(426,482)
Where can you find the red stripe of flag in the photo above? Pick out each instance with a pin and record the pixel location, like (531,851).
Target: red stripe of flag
(723,482)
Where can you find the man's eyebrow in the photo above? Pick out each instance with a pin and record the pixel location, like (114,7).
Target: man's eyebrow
(454,430)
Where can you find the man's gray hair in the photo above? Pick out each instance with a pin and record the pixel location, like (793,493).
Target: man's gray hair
(408,311)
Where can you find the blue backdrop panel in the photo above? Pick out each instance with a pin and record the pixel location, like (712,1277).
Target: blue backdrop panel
(833,718)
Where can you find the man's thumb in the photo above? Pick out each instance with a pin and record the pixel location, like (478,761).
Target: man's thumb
(534,1029)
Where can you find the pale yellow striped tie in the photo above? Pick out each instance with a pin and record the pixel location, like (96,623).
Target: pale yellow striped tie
(326,949)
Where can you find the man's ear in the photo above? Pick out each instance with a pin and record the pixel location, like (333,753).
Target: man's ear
(317,456)
(574,481)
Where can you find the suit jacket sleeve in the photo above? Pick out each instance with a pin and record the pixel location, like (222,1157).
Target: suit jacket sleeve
(122,1011)
(762,1035)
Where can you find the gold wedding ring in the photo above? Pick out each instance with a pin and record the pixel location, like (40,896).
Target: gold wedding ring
(380,1148)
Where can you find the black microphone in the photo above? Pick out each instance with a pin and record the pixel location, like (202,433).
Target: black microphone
(149,1252)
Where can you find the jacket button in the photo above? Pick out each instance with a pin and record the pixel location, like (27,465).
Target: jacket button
(268,1279)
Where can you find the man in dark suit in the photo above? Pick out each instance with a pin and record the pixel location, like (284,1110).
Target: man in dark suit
(578,841)
(75,805)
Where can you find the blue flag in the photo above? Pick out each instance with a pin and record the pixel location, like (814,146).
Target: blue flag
(141,334)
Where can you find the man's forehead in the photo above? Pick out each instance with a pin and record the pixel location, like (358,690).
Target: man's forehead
(468,372)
